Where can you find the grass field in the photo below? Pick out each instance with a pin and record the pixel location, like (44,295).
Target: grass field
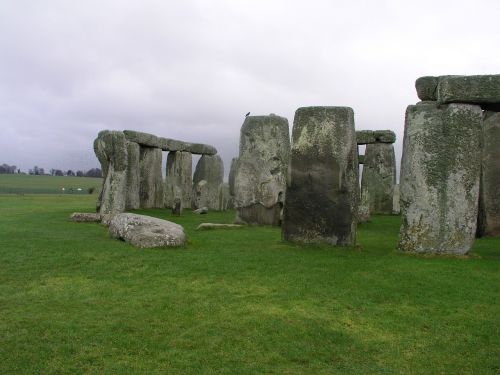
(30,184)
(73,301)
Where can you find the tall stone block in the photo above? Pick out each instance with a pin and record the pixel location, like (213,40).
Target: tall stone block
(110,148)
(232,175)
(321,203)
(179,179)
(133,201)
(151,184)
(489,203)
(261,169)
(379,177)
(209,169)
(439,184)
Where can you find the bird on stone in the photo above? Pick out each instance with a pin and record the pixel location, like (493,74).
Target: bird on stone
(248,114)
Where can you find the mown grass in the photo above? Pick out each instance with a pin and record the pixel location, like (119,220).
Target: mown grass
(241,301)
(31,184)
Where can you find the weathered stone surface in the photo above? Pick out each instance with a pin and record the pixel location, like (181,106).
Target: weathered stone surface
(261,170)
(321,204)
(232,175)
(439,184)
(86,217)
(178,181)
(208,226)
(365,137)
(145,231)
(177,207)
(364,207)
(478,89)
(167,144)
(133,201)
(427,88)
(396,207)
(489,203)
(225,198)
(151,184)
(210,169)
(379,177)
(110,148)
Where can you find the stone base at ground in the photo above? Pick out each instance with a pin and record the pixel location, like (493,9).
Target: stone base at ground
(258,214)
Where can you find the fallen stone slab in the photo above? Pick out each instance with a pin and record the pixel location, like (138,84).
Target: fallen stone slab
(145,231)
(365,137)
(208,226)
(201,211)
(167,144)
(477,89)
(86,217)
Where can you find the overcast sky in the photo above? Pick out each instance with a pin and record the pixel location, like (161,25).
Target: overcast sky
(190,70)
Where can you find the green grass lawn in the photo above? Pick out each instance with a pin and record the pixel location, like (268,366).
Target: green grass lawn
(30,184)
(238,301)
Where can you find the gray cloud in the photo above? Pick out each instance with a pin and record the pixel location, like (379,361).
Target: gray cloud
(192,69)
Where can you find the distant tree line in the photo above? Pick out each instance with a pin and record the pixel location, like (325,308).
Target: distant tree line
(8,169)
(11,169)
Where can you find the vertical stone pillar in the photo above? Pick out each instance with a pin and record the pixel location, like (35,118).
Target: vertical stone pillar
(133,177)
(179,179)
(207,179)
(151,184)
(261,170)
(489,203)
(322,198)
(110,148)
(379,177)
(439,184)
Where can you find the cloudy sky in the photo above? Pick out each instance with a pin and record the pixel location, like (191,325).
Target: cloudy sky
(191,69)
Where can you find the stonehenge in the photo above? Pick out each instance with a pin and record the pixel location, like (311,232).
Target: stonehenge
(207,182)
(450,166)
(379,170)
(131,162)
(322,197)
(258,175)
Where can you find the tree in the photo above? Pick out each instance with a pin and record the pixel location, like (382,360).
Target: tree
(58,172)
(70,173)
(7,169)
(79,173)
(94,172)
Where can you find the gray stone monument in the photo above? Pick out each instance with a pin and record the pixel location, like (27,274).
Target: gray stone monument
(489,203)
(260,171)
(207,179)
(151,180)
(439,184)
(379,177)
(321,204)
(179,178)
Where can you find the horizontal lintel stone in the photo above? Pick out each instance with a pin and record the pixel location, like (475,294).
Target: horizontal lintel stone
(365,137)
(167,144)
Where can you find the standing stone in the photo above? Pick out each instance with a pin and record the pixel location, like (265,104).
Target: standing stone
(489,203)
(151,185)
(364,207)
(133,201)
(232,175)
(261,170)
(379,176)
(177,207)
(225,199)
(110,148)
(321,204)
(440,178)
(210,169)
(178,182)
(396,207)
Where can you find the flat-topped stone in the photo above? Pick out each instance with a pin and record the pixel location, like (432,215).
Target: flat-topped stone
(426,87)
(365,137)
(167,144)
